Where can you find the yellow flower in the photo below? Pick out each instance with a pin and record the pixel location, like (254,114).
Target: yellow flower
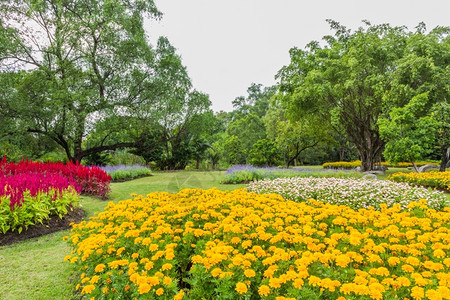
(408,268)
(179,296)
(249,273)
(166,267)
(392,261)
(99,268)
(94,279)
(439,253)
(342,260)
(144,288)
(241,288)
(167,280)
(263,290)
(417,293)
(88,289)
(159,291)
(153,247)
(216,272)
(298,283)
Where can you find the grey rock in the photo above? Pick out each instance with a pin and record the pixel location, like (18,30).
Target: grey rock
(374,172)
(427,167)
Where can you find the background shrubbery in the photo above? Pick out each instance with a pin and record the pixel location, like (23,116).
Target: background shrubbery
(126,172)
(245,174)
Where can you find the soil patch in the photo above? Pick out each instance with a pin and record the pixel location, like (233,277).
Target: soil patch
(49,226)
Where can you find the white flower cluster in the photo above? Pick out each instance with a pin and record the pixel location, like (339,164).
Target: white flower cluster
(356,193)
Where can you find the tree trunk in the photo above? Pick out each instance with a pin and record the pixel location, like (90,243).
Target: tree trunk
(369,150)
(444,159)
(415,167)
(341,154)
(368,157)
(197,164)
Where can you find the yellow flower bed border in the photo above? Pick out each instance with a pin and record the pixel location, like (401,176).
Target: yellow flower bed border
(237,245)
(439,180)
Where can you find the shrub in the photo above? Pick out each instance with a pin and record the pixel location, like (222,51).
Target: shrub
(440,180)
(30,198)
(355,193)
(15,186)
(35,209)
(126,172)
(408,164)
(342,165)
(93,180)
(236,245)
(245,174)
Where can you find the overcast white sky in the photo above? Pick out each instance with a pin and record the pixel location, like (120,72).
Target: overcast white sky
(227,45)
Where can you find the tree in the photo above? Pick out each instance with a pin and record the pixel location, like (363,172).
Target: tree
(256,102)
(441,113)
(423,70)
(344,82)
(234,152)
(293,137)
(409,138)
(81,62)
(248,130)
(264,153)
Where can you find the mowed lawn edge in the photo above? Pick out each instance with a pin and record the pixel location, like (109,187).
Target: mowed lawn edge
(35,269)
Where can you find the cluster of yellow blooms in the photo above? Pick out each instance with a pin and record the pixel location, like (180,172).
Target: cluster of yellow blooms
(342,164)
(210,244)
(439,180)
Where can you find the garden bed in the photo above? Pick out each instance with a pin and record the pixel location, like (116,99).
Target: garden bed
(209,244)
(53,224)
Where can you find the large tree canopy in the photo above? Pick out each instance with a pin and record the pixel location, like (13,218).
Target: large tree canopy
(345,81)
(358,77)
(422,73)
(86,68)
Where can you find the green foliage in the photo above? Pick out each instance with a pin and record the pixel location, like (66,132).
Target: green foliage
(409,137)
(418,97)
(234,151)
(34,210)
(264,153)
(293,137)
(129,173)
(344,82)
(256,102)
(91,82)
(97,159)
(124,157)
(248,129)
(246,174)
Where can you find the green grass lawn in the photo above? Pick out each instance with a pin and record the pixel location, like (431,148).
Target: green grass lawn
(35,269)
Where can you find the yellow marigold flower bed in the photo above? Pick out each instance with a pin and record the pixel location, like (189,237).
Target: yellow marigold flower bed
(342,164)
(210,244)
(440,180)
